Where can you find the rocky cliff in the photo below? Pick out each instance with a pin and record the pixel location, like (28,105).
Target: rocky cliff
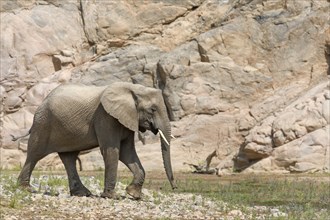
(248,79)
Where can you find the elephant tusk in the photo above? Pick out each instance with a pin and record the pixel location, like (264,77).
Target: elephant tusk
(163,137)
(172,136)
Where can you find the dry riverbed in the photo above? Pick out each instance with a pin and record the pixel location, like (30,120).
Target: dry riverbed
(54,202)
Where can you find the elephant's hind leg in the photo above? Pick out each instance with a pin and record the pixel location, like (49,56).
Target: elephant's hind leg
(32,158)
(36,150)
(25,174)
(75,184)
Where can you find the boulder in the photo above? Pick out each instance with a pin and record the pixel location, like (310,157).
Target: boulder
(305,154)
(296,139)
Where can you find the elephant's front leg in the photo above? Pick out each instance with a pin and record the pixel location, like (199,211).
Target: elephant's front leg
(111,158)
(130,158)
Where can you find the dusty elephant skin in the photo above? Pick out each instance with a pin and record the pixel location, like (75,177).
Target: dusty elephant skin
(75,117)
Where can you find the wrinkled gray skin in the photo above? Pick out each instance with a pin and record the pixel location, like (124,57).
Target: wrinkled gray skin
(75,118)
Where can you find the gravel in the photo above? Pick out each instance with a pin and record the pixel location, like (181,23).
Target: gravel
(56,203)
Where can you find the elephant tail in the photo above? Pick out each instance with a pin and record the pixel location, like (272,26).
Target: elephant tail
(13,138)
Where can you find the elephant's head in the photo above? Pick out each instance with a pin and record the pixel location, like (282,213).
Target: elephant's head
(141,108)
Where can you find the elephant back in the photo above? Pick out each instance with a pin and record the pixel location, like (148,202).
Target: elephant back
(71,102)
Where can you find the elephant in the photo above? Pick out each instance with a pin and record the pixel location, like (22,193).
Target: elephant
(76,117)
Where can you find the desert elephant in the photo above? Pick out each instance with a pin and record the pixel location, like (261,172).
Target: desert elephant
(75,118)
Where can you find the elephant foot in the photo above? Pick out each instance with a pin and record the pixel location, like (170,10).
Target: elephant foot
(134,190)
(27,188)
(81,192)
(110,195)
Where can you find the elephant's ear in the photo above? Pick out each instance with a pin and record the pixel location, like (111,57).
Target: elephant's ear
(118,101)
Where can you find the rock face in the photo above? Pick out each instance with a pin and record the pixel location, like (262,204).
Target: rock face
(295,139)
(249,79)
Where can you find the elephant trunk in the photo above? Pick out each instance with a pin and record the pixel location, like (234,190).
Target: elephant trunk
(165,139)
